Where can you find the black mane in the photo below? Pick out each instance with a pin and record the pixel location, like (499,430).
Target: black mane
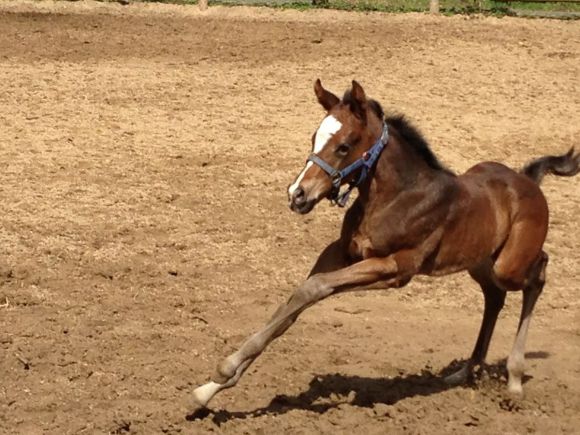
(415,139)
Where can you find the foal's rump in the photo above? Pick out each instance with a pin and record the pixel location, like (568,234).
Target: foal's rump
(498,213)
(512,212)
(523,247)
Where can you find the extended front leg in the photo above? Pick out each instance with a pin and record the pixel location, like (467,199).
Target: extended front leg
(314,289)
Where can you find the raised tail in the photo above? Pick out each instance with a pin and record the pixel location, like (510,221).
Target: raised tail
(565,165)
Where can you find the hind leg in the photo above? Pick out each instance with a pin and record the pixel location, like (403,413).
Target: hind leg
(521,264)
(494,298)
(532,290)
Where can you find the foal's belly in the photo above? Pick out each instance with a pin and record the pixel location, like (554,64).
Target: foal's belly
(475,228)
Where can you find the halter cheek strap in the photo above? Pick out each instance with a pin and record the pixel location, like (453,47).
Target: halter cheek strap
(365,164)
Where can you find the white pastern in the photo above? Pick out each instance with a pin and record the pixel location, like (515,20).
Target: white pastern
(328,128)
(202,395)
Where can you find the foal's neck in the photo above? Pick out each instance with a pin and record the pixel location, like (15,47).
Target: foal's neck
(399,168)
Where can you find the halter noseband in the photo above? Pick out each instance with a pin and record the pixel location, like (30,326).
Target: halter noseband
(365,163)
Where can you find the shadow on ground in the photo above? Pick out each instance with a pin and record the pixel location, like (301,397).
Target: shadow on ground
(367,391)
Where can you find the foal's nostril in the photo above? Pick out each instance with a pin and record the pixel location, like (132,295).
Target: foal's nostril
(298,196)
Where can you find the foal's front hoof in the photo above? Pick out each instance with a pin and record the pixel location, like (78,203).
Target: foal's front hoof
(202,395)
(196,409)
(460,377)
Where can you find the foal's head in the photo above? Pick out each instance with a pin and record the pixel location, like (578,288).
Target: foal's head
(350,128)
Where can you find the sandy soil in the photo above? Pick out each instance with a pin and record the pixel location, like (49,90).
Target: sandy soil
(144,157)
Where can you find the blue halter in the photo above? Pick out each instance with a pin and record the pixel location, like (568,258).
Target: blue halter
(365,163)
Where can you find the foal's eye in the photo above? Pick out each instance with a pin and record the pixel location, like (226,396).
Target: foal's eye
(343,149)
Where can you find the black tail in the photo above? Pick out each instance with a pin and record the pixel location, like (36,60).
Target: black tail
(565,165)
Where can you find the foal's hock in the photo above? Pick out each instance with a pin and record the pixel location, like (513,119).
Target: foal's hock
(412,216)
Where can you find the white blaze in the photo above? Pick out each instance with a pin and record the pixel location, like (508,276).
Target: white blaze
(328,128)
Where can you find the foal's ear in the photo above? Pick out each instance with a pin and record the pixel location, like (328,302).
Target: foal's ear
(327,99)
(358,103)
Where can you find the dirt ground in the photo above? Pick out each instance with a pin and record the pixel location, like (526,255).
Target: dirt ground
(145,153)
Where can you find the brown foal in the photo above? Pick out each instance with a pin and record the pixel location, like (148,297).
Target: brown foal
(412,216)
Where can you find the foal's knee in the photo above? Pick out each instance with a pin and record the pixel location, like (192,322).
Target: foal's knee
(312,290)
(225,371)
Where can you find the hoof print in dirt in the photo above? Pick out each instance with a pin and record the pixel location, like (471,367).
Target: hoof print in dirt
(198,414)
(511,404)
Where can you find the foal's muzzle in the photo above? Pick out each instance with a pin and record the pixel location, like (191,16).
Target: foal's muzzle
(299,201)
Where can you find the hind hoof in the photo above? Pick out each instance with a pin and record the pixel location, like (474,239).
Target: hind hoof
(459,377)
(515,389)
